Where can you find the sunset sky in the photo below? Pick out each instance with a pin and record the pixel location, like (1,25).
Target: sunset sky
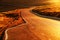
(27,3)
(24,2)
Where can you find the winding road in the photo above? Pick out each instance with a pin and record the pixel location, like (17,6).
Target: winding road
(35,28)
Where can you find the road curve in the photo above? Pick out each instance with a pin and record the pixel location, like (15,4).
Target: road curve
(35,28)
(44,28)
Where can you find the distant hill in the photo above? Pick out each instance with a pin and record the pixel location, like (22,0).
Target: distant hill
(6,5)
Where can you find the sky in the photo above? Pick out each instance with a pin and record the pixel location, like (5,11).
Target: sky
(24,2)
(13,4)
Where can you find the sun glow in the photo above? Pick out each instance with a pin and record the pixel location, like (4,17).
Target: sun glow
(55,1)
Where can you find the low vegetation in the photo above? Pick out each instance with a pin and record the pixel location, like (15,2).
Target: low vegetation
(47,12)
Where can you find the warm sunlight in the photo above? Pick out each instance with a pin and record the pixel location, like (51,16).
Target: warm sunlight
(55,2)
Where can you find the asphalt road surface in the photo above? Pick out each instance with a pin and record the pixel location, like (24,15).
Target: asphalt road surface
(35,28)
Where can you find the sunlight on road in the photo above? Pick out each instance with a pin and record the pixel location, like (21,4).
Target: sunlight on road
(46,29)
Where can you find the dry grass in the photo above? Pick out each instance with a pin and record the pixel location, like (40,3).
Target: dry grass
(9,19)
(53,12)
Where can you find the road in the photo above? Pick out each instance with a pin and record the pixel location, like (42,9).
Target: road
(35,28)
